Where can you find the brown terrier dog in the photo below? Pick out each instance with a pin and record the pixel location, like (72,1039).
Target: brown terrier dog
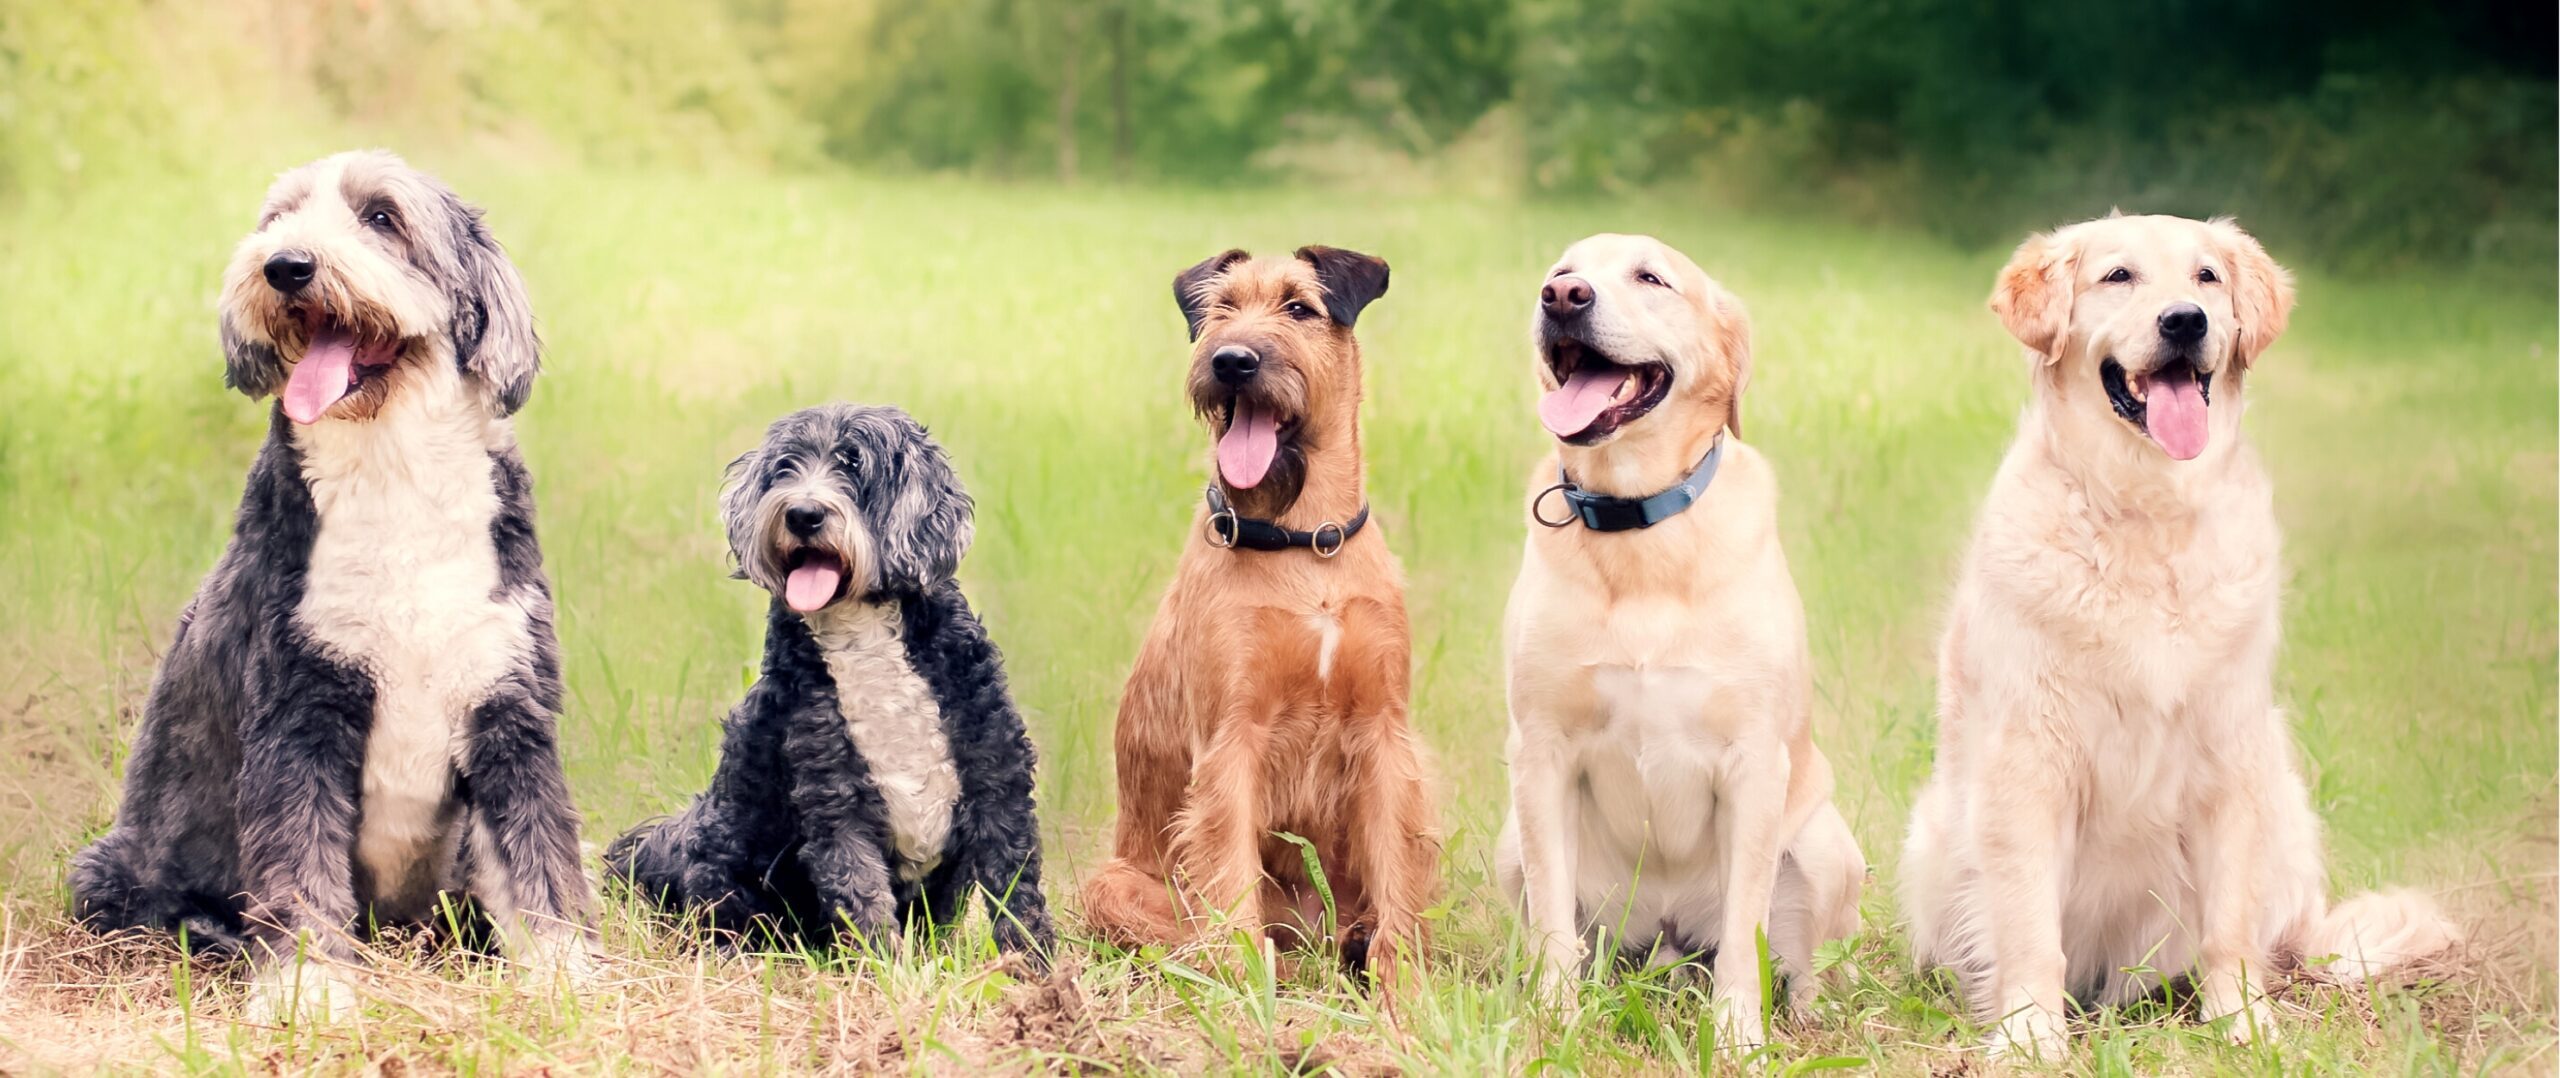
(1270,696)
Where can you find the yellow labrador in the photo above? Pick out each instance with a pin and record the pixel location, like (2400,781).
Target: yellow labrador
(1667,798)
(2115,789)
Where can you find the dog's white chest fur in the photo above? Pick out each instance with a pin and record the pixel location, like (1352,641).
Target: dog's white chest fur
(895,723)
(404,584)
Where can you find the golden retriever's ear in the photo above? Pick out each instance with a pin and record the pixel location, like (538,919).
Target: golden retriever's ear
(2261,291)
(2033,297)
(1733,338)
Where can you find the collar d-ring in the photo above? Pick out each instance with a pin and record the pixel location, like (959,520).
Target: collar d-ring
(1541,499)
(1316,540)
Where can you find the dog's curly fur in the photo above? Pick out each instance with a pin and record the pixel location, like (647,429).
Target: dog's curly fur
(820,820)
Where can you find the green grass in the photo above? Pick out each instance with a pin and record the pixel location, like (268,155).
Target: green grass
(2409,424)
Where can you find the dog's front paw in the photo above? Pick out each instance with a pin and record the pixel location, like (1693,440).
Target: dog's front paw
(2243,1016)
(569,959)
(2030,1032)
(1739,1025)
(298,992)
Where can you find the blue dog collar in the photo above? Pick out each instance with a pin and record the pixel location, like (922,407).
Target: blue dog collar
(1602,513)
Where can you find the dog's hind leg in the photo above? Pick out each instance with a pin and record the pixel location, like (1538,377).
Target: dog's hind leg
(172,860)
(1129,900)
(523,836)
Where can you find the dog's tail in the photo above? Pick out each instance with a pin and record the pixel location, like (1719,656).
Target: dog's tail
(2375,932)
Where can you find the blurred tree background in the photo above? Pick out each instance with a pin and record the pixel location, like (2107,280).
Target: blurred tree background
(2362,135)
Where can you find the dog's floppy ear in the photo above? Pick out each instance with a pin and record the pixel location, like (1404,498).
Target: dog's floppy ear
(252,367)
(2033,297)
(493,336)
(2261,291)
(1733,338)
(1351,280)
(737,501)
(929,523)
(1191,286)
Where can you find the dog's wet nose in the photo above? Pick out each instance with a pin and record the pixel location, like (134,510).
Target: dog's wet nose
(2182,323)
(1565,297)
(1235,364)
(804,520)
(290,271)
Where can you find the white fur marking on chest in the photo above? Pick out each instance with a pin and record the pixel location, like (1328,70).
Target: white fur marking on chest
(1328,641)
(403,583)
(895,723)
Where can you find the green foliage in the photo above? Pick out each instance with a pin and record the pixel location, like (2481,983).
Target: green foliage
(2368,135)
(2364,137)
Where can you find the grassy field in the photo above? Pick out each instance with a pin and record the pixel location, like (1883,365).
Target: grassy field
(2409,423)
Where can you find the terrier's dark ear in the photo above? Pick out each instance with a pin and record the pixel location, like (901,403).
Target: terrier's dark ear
(1191,286)
(493,337)
(252,367)
(1351,280)
(930,523)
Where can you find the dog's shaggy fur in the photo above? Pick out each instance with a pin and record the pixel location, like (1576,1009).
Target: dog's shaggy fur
(1271,693)
(357,712)
(877,773)
(1666,790)
(2115,789)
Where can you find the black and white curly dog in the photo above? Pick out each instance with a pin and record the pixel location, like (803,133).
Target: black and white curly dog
(356,716)
(877,773)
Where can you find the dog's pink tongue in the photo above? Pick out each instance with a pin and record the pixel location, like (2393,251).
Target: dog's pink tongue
(1246,449)
(812,585)
(1571,408)
(325,374)
(2174,413)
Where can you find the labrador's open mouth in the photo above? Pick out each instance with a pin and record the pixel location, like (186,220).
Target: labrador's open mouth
(1596,395)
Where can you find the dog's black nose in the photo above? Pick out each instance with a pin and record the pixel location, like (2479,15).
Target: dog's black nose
(2182,323)
(289,271)
(1235,364)
(804,520)
(1565,297)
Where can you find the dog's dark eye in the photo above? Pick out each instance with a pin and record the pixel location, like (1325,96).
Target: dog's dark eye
(2207,276)
(1299,310)
(380,219)
(2118,275)
(1647,277)
(848,459)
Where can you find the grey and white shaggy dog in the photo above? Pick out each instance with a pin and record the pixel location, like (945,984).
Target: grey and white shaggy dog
(356,716)
(877,773)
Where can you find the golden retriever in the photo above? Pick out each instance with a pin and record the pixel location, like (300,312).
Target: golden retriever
(2115,791)
(1666,795)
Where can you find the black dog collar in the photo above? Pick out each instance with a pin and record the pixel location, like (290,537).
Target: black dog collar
(1227,530)
(1602,513)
